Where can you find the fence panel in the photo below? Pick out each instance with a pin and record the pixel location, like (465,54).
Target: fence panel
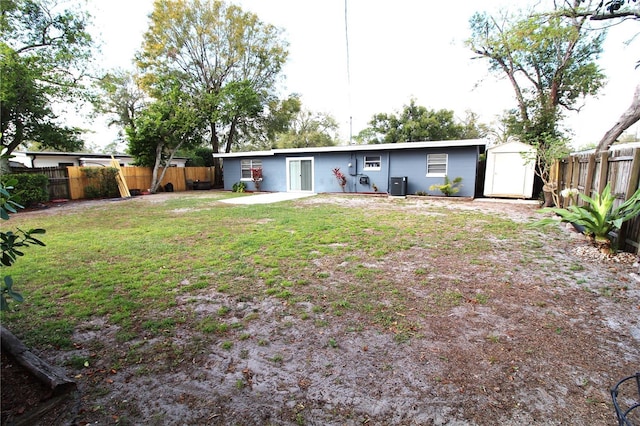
(140,178)
(620,168)
(77,182)
(58,180)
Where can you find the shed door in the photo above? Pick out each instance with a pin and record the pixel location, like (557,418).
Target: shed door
(511,176)
(300,174)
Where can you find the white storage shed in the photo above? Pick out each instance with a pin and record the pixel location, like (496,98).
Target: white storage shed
(510,170)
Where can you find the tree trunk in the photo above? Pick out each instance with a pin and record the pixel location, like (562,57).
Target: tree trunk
(154,176)
(232,136)
(53,377)
(215,146)
(626,120)
(168,164)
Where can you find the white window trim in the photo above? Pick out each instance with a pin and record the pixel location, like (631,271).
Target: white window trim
(446,165)
(365,167)
(249,179)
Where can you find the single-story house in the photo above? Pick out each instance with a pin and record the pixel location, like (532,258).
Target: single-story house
(394,168)
(37,159)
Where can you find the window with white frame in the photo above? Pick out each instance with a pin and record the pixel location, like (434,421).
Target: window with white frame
(372,162)
(436,165)
(246,166)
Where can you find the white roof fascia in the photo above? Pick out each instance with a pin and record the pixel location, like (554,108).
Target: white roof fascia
(349,148)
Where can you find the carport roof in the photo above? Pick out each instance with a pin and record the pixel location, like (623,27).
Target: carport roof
(351,148)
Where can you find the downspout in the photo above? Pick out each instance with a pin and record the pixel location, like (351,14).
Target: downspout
(388,169)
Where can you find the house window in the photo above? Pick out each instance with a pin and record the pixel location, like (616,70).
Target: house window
(372,162)
(436,165)
(246,166)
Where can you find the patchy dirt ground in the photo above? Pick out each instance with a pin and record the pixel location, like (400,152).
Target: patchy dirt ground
(536,348)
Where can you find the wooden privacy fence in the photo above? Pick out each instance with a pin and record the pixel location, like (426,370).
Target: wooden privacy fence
(58,180)
(590,172)
(140,178)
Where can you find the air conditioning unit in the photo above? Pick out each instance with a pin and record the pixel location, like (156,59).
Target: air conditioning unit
(398,186)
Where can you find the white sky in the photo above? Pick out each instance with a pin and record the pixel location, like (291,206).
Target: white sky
(398,50)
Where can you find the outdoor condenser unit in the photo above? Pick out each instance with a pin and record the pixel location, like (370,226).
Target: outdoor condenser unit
(398,186)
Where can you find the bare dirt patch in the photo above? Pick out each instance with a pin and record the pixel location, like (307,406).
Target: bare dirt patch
(503,340)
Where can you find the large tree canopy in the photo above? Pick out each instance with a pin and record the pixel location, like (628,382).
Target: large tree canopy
(227,59)
(417,123)
(43,56)
(308,129)
(550,61)
(163,127)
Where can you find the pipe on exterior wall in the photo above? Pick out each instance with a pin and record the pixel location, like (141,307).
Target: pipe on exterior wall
(388,169)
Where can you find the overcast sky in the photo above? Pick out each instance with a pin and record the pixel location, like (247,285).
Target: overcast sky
(397,50)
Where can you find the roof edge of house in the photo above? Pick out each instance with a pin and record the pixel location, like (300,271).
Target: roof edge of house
(349,148)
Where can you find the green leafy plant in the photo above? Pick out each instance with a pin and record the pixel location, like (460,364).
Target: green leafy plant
(30,188)
(598,217)
(449,187)
(12,243)
(239,187)
(102,182)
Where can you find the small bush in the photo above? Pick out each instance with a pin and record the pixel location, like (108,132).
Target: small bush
(449,187)
(30,188)
(102,182)
(239,187)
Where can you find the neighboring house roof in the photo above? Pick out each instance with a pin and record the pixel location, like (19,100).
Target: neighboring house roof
(352,148)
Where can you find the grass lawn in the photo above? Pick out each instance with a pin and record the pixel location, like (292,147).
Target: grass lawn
(143,288)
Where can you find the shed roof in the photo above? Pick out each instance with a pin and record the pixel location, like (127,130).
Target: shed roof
(351,148)
(511,146)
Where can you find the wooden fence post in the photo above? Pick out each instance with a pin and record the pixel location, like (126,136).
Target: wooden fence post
(604,168)
(591,169)
(575,176)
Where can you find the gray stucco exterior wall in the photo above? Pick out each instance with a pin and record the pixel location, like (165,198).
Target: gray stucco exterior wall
(462,161)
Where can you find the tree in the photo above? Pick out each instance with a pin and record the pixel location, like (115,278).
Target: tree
(121,98)
(162,128)
(549,60)
(610,9)
(227,59)
(626,120)
(416,123)
(43,56)
(309,129)
(605,10)
(277,119)
(12,244)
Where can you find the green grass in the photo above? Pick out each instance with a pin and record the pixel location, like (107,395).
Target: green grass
(127,262)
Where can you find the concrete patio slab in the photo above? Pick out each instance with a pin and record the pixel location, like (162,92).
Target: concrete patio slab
(268,198)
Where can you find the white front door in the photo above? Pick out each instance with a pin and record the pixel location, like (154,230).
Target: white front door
(300,174)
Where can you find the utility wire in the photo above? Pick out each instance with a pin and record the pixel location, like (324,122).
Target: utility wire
(346,34)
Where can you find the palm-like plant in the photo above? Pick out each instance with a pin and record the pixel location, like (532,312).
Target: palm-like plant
(598,217)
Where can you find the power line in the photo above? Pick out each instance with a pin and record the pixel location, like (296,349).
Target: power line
(346,34)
